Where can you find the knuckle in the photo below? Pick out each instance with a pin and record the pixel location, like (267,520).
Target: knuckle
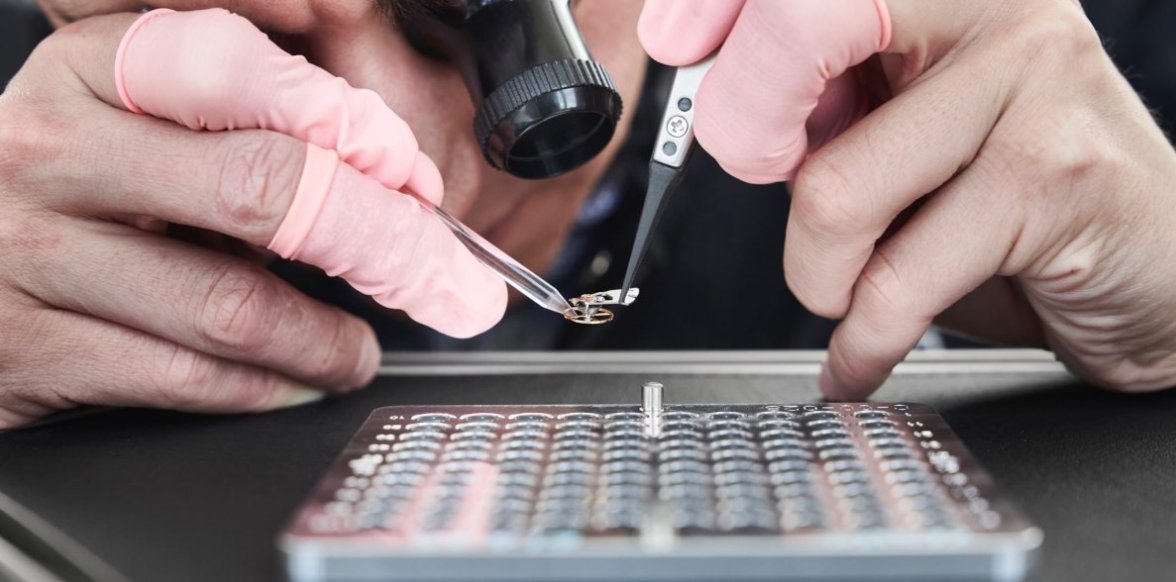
(190,380)
(26,241)
(58,56)
(235,315)
(1078,161)
(1079,154)
(259,173)
(52,48)
(881,288)
(1054,33)
(1059,149)
(22,138)
(253,393)
(823,199)
(185,380)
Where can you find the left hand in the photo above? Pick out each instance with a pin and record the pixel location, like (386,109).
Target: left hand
(991,171)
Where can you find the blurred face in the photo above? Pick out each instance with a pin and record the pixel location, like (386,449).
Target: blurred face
(354,39)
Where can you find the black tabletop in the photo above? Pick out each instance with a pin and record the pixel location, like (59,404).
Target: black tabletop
(166,496)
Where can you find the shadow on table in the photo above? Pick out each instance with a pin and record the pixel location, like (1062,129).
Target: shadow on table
(1094,469)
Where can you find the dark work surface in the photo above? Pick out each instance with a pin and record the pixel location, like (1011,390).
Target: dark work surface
(166,496)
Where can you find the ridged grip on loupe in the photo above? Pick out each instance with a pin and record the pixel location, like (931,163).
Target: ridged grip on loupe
(544,107)
(549,119)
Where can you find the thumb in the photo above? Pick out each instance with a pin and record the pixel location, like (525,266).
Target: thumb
(770,76)
(678,33)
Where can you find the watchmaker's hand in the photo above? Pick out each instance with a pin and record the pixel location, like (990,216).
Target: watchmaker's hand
(98,306)
(377,240)
(990,168)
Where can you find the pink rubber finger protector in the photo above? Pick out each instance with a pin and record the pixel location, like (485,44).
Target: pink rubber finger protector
(317,174)
(213,70)
(419,266)
(775,65)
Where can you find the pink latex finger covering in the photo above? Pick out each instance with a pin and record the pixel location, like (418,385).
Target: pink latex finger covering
(211,69)
(419,267)
(755,104)
(119,57)
(317,174)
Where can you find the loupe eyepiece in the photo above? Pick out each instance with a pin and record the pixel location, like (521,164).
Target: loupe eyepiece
(544,107)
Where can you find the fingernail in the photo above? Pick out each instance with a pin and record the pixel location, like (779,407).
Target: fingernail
(369,363)
(294,396)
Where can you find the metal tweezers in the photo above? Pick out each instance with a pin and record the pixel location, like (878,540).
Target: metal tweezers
(674,145)
(675,142)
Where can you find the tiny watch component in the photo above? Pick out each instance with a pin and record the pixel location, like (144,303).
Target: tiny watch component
(588,309)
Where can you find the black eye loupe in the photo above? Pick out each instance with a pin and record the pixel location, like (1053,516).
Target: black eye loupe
(544,107)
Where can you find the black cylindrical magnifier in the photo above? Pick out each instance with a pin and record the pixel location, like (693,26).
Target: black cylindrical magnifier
(544,107)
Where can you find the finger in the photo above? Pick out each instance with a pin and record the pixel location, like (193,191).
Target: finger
(214,70)
(257,85)
(680,33)
(769,77)
(955,242)
(265,189)
(107,364)
(847,194)
(206,301)
(417,265)
(455,294)
(268,191)
(214,241)
(283,17)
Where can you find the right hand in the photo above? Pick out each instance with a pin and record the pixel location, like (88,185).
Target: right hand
(989,170)
(98,306)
